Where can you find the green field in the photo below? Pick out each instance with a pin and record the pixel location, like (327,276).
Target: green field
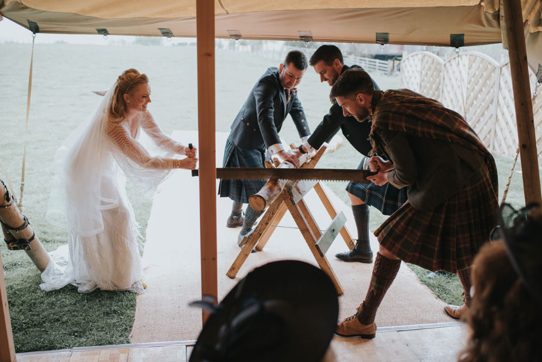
(64,76)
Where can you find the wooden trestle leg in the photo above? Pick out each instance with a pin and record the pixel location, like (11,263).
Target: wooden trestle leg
(312,234)
(251,240)
(333,213)
(282,195)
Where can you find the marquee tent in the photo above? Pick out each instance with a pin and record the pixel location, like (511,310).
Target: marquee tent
(453,23)
(422,22)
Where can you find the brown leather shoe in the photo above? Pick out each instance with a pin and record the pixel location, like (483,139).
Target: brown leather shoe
(352,327)
(456,312)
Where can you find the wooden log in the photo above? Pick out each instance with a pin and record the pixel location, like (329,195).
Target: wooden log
(335,143)
(267,194)
(205,26)
(12,217)
(522,99)
(272,189)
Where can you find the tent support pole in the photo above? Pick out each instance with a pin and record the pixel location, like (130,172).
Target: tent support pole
(522,99)
(205,15)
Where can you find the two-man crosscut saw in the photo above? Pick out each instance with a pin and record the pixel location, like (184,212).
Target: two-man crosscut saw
(359,176)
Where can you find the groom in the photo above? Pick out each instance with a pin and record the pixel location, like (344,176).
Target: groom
(254,132)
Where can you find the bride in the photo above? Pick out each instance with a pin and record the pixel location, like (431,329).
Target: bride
(120,141)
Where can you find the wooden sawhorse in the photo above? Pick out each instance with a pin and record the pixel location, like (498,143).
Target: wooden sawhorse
(291,199)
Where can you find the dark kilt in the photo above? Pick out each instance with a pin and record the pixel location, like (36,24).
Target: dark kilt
(241,190)
(448,237)
(387,198)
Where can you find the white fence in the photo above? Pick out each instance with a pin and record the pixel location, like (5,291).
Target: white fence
(478,88)
(370,64)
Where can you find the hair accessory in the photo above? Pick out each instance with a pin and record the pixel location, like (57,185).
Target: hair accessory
(132,82)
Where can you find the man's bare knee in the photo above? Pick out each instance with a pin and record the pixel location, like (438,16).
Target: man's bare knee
(354,200)
(385,253)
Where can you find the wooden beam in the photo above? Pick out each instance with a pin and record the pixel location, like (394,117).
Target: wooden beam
(205,15)
(522,99)
(7,348)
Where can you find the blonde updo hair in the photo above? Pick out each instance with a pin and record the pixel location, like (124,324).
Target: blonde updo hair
(126,83)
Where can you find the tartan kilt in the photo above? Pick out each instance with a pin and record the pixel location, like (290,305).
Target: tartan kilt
(386,198)
(241,190)
(448,237)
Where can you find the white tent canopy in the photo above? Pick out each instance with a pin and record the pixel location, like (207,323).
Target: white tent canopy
(421,22)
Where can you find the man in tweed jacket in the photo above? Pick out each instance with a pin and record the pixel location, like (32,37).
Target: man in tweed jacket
(255,131)
(451,182)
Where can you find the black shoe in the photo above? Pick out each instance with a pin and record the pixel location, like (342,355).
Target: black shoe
(234,221)
(354,255)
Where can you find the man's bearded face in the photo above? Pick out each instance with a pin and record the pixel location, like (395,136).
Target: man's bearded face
(352,107)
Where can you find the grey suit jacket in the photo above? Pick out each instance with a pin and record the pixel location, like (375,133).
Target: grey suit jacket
(260,119)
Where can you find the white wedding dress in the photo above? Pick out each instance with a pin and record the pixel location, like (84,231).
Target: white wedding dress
(89,199)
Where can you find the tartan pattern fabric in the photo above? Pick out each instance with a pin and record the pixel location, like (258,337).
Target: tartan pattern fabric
(387,198)
(384,272)
(407,111)
(448,237)
(241,190)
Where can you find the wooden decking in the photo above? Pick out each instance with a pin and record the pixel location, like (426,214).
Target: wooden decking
(428,342)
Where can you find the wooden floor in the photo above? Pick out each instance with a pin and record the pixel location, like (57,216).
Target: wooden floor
(429,342)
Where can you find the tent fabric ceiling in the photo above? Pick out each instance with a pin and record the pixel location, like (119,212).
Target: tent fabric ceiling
(107,9)
(337,21)
(408,22)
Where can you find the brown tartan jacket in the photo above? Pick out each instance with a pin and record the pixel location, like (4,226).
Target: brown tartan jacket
(433,149)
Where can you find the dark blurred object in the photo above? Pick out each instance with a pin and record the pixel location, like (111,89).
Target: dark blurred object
(522,231)
(282,311)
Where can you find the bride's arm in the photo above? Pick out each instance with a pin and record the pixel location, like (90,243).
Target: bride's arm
(153,130)
(134,151)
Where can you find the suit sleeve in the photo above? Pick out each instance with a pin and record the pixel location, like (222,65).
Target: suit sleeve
(400,153)
(329,126)
(300,119)
(264,95)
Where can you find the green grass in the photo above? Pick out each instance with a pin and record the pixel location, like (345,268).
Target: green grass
(64,76)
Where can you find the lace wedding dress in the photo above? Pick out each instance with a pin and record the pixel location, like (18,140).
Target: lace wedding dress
(89,199)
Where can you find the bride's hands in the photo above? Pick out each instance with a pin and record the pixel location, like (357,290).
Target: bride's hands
(187,151)
(190,152)
(188,163)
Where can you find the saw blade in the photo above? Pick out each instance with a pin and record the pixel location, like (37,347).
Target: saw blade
(359,176)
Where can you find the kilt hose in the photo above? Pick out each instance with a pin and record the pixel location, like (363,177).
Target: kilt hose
(448,237)
(387,199)
(241,190)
